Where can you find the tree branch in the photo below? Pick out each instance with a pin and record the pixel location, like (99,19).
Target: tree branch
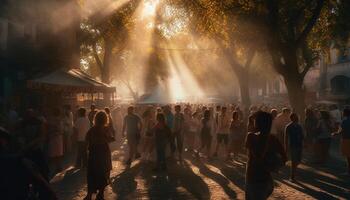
(316,13)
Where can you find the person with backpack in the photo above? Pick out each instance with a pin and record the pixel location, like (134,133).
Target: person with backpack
(265,155)
(294,143)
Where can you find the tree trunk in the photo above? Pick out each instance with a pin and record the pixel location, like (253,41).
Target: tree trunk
(296,93)
(243,81)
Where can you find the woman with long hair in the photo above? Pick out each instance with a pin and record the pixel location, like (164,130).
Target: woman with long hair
(99,156)
(261,145)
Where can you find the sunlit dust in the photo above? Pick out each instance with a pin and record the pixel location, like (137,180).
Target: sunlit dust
(149,8)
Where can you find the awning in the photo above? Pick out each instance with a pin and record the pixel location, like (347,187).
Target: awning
(73,80)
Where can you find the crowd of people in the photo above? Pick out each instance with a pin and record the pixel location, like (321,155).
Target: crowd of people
(37,142)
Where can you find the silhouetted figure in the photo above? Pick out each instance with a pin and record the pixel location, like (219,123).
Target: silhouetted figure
(310,125)
(162,133)
(17,173)
(264,150)
(99,157)
(82,126)
(206,133)
(132,126)
(177,139)
(222,131)
(236,134)
(92,114)
(294,143)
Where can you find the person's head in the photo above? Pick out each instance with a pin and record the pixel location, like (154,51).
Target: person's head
(92,107)
(81,112)
(286,111)
(218,108)
(223,110)
(107,111)
(130,110)
(263,122)
(177,108)
(206,114)
(100,119)
(346,112)
(274,113)
(294,117)
(235,115)
(160,118)
(159,110)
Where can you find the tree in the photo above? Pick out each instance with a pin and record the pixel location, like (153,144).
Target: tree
(296,33)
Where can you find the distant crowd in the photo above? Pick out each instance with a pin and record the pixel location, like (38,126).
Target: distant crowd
(35,145)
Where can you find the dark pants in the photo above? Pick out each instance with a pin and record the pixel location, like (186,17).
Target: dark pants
(176,142)
(160,148)
(81,160)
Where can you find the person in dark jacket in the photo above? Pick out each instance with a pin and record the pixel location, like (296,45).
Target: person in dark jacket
(293,143)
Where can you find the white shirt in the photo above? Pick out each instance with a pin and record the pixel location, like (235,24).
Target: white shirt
(82,125)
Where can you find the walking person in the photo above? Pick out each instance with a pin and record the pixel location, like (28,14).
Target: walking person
(162,133)
(178,132)
(236,134)
(132,125)
(206,133)
(344,131)
(82,126)
(148,134)
(263,151)
(294,143)
(99,156)
(222,131)
(310,125)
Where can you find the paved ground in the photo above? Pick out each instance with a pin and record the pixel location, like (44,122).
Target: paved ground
(199,179)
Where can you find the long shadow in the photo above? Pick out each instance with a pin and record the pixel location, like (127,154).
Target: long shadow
(179,182)
(124,184)
(307,190)
(235,173)
(221,180)
(325,183)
